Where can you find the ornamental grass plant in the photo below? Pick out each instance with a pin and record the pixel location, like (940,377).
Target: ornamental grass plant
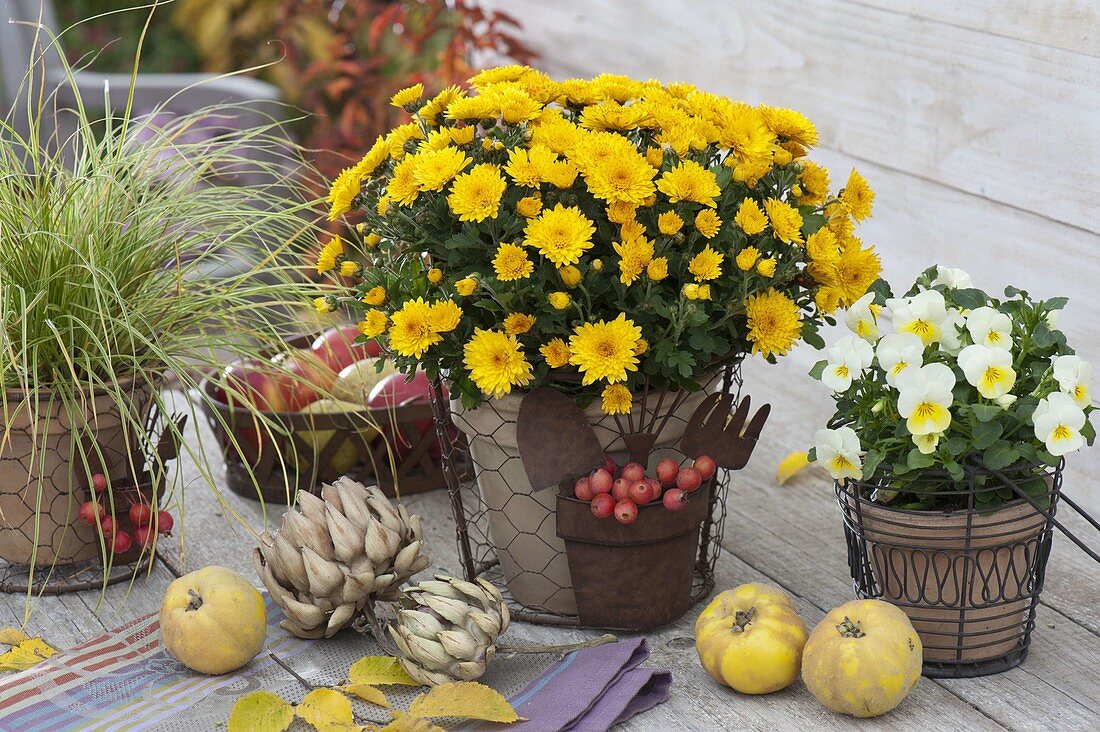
(597,235)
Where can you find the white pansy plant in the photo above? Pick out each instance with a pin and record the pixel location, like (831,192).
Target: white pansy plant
(958,380)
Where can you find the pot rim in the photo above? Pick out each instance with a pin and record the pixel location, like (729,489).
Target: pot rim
(23,395)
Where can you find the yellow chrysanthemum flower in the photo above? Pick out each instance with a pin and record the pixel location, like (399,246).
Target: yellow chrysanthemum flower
(374,157)
(741,128)
(374,324)
(822,247)
(854,272)
(641,347)
(434,169)
(788,124)
(400,136)
(634,256)
(350,269)
(342,193)
(430,111)
(750,218)
(620,212)
(469,108)
(691,291)
(556,353)
(499,75)
(403,187)
(766,267)
(617,399)
(815,184)
(530,167)
(375,295)
(657,269)
(555,132)
(511,263)
(655,156)
(773,323)
(785,219)
(690,181)
(707,223)
(827,299)
(613,116)
(383,205)
(857,196)
(839,222)
(407,96)
(529,207)
(746,258)
(331,254)
(411,332)
(559,300)
(707,264)
(511,103)
(518,323)
(605,349)
(669,223)
(466,286)
(324,304)
(617,87)
(496,362)
(435,275)
(580,92)
(540,87)
(475,196)
(445,316)
(562,174)
(627,178)
(570,275)
(561,234)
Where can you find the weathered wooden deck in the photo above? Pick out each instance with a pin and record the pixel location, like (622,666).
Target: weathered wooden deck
(790,536)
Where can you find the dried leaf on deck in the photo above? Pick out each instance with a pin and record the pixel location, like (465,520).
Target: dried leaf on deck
(261,711)
(366,692)
(12,636)
(403,722)
(791,465)
(326,709)
(466,699)
(376,670)
(26,654)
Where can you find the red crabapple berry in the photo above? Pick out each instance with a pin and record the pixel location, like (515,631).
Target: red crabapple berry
(674,499)
(121,543)
(144,536)
(641,492)
(583,490)
(689,480)
(667,470)
(633,472)
(106,526)
(609,465)
(603,505)
(140,514)
(91,511)
(626,511)
(164,522)
(600,481)
(620,490)
(657,487)
(706,466)
(99,482)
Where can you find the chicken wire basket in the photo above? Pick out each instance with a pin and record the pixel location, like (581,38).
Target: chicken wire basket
(507,533)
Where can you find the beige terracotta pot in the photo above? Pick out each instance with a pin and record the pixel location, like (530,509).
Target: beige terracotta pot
(522,523)
(43,480)
(922,564)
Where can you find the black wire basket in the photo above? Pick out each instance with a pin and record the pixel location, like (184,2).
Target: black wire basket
(970,578)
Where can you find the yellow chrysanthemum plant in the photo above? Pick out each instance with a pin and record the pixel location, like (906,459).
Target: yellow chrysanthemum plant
(594,234)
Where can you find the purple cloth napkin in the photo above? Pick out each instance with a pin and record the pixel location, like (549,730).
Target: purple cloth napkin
(590,690)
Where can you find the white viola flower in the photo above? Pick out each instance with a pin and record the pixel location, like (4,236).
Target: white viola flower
(923,315)
(925,398)
(927,444)
(950,332)
(1058,422)
(989,369)
(838,451)
(953,279)
(989,327)
(1005,400)
(848,358)
(1073,375)
(860,318)
(897,352)
(1052,319)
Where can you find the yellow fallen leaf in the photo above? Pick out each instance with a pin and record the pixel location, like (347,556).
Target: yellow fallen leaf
(376,670)
(12,636)
(466,699)
(366,692)
(261,711)
(326,709)
(404,723)
(791,465)
(26,654)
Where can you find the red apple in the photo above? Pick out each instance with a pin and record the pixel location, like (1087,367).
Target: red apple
(307,377)
(706,466)
(641,492)
(337,347)
(633,472)
(255,382)
(396,390)
(666,472)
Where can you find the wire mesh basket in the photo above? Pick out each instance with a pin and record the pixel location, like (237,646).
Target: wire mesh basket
(969,579)
(507,533)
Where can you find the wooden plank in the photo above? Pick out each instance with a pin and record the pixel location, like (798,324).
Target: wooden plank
(1004,120)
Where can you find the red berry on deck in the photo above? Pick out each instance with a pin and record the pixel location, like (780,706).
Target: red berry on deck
(706,466)
(667,471)
(164,522)
(601,481)
(674,499)
(641,492)
(140,514)
(99,482)
(106,526)
(633,472)
(603,505)
(610,466)
(620,490)
(689,480)
(122,542)
(144,536)
(583,490)
(626,511)
(91,510)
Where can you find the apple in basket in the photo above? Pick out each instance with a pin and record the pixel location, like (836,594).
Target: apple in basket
(252,381)
(306,380)
(398,390)
(338,349)
(357,380)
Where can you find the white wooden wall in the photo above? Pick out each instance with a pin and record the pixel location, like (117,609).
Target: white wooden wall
(977,122)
